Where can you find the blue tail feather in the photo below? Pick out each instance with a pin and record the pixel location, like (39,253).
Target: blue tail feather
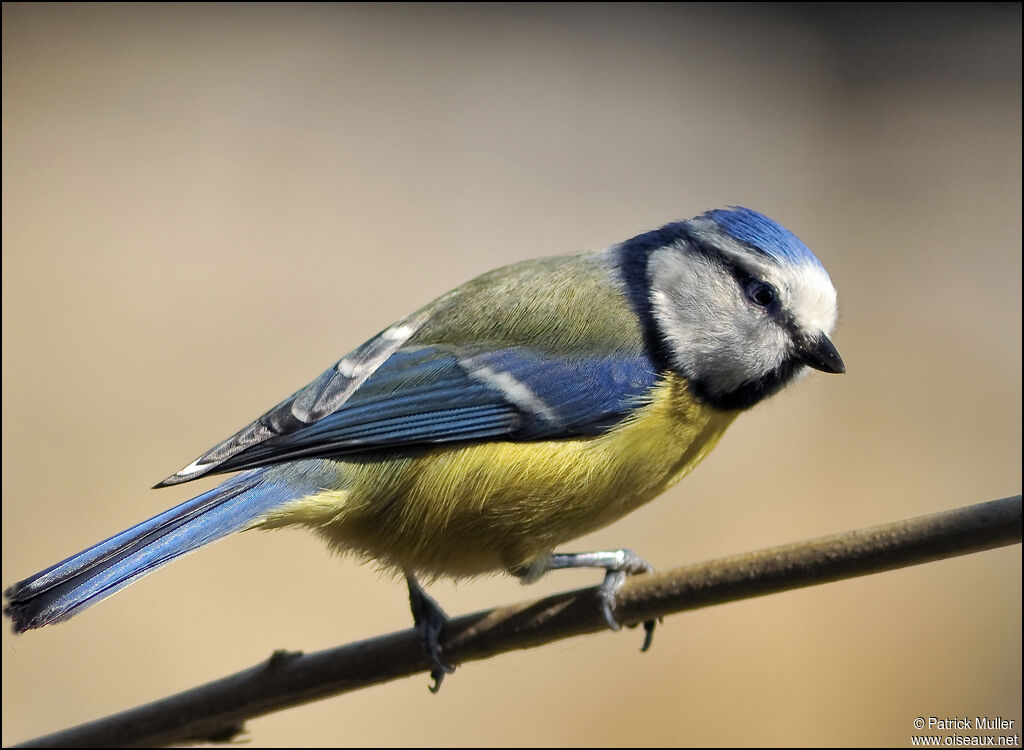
(84,579)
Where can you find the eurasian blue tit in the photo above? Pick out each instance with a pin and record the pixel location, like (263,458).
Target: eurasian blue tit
(527,407)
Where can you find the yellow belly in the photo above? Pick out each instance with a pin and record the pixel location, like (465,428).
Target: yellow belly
(472,509)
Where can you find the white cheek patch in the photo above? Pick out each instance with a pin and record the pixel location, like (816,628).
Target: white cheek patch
(710,329)
(715,334)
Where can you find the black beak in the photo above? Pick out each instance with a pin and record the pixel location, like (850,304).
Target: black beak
(820,353)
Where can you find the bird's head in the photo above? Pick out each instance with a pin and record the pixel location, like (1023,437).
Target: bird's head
(739,304)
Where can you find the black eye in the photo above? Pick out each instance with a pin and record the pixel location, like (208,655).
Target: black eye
(761,293)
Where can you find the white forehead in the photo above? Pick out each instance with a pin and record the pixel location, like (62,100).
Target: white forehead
(808,294)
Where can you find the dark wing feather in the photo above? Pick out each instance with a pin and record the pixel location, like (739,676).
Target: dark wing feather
(428,395)
(311,404)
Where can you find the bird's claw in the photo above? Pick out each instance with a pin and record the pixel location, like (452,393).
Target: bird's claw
(625,564)
(648,632)
(430,620)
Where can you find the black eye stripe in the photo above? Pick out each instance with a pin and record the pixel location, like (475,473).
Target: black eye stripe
(743,277)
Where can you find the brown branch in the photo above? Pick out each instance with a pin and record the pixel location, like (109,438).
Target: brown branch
(217,710)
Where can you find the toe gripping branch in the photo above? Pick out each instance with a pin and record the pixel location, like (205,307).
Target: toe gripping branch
(430,620)
(619,565)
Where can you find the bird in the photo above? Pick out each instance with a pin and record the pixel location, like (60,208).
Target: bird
(525,408)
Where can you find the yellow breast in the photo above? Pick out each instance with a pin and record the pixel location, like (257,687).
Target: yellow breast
(470,509)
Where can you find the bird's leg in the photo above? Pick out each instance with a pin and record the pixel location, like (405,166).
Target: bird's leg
(430,620)
(619,564)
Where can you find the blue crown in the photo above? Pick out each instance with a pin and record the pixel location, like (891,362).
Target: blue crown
(763,234)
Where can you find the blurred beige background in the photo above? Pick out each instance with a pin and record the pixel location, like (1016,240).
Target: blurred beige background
(205,206)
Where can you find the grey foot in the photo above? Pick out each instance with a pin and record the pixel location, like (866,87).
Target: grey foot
(619,564)
(430,620)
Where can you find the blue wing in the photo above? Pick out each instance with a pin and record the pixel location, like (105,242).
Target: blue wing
(428,395)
